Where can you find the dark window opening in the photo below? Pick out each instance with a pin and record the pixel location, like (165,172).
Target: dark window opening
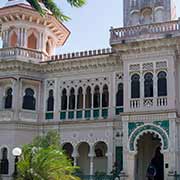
(8,99)
(88,97)
(64,100)
(80,98)
(135,86)
(119,95)
(99,152)
(72,99)
(105,96)
(96,97)
(148,85)
(29,102)
(4,167)
(50,101)
(162,84)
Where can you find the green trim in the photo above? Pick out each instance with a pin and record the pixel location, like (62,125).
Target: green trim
(71,115)
(132,126)
(163,124)
(79,114)
(119,110)
(62,115)
(119,159)
(145,128)
(49,115)
(87,114)
(104,113)
(96,113)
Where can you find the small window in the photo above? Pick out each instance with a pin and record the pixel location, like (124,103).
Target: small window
(88,97)
(64,100)
(135,86)
(4,161)
(50,101)
(148,85)
(32,41)
(8,99)
(72,99)
(29,102)
(105,96)
(162,84)
(119,95)
(80,98)
(96,97)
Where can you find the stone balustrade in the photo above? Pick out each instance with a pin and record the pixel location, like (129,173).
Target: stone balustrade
(148,104)
(82,54)
(147,31)
(19,53)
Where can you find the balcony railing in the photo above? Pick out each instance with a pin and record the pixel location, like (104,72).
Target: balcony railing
(147,31)
(20,53)
(145,104)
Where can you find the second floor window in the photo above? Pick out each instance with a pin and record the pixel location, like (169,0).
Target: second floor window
(64,100)
(119,95)
(162,84)
(135,86)
(4,165)
(29,101)
(8,99)
(148,85)
(50,101)
(105,96)
(96,97)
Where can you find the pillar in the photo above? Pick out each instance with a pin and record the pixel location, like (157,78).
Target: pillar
(109,162)
(75,155)
(91,157)
(131,166)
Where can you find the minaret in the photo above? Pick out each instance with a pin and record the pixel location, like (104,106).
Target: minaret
(23,27)
(148,11)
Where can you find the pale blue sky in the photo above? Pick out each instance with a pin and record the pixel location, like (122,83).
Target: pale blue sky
(90,24)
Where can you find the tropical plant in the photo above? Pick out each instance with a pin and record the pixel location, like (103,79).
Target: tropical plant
(52,6)
(44,159)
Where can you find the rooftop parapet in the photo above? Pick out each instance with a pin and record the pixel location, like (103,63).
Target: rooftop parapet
(144,32)
(82,54)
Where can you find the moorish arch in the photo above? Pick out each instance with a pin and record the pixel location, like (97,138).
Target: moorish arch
(144,129)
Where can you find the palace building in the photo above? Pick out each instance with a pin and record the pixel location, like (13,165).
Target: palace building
(117,107)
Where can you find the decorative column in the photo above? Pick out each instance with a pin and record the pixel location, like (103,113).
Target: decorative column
(92,103)
(75,155)
(91,157)
(109,162)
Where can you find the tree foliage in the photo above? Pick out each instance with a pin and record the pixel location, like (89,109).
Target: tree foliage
(44,159)
(52,6)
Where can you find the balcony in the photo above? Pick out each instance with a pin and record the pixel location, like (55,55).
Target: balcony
(148,104)
(147,31)
(17,53)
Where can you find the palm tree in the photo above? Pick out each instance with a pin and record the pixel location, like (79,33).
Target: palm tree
(51,5)
(44,159)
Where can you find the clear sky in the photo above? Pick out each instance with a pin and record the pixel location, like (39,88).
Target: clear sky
(90,24)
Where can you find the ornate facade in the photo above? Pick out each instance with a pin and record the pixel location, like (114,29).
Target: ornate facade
(113,107)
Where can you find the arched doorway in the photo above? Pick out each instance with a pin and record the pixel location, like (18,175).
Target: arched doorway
(83,160)
(68,149)
(148,153)
(100,159)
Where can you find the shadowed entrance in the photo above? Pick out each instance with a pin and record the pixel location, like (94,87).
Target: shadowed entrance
(149,154)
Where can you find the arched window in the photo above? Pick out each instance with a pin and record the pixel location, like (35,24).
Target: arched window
(162,84)
(105,96)
(135,86)
(72,99)
(8,99)
(119,95)
(80,98)
(88,97)
(32,41)
(13,39)
(148,85)
(4,161)
(64,100)
(96,97)
(50,101)
(29,102)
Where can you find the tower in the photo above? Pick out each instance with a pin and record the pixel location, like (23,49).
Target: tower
(148,11)
(24,28)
